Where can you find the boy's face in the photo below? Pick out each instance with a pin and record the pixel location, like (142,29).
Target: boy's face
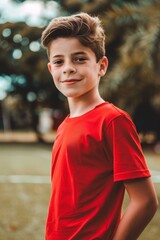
(74,68)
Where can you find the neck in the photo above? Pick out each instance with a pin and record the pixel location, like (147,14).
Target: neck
(80,106)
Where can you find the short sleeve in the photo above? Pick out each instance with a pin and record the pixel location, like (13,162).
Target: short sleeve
(128,158)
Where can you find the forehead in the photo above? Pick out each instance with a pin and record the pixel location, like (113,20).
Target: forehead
(64,46)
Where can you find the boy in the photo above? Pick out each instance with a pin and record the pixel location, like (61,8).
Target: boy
(96,154)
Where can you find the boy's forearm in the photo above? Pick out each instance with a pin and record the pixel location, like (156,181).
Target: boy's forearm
(135,219)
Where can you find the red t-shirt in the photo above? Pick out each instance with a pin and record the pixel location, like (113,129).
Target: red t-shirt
(92,155)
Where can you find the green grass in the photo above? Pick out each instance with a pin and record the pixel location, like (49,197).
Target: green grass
(24,206)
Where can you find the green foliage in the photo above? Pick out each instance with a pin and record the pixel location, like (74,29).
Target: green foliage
(31,62)
(132,46)
(23,64)
(134,73)
(133,49)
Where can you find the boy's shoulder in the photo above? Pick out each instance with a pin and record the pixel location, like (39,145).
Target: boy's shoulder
(110,111)
(105,112)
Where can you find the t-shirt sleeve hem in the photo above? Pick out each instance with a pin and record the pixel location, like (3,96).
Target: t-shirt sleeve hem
(131,175)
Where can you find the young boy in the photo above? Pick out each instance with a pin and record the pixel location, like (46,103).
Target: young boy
(96,154)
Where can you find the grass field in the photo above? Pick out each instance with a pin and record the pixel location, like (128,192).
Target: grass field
(25,191)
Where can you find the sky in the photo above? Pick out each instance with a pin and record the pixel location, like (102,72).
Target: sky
(33,12)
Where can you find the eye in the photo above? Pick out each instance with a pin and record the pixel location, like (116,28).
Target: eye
(79,59)
(58,62)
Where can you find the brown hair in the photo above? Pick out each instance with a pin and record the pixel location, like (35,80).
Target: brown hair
(86,29)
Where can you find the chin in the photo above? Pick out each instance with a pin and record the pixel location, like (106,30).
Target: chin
(71,95)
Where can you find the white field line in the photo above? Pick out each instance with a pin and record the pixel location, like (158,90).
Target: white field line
(155,176)
(33,179)
(25,179)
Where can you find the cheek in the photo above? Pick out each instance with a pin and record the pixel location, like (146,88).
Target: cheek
(54,74)
(56,79)
(55,82)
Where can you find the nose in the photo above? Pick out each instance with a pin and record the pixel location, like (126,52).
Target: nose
(69,67)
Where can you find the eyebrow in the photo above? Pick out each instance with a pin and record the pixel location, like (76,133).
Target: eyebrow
(74,54)
(80,53)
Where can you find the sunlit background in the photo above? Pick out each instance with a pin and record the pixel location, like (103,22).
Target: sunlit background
(27,94)
(31,108)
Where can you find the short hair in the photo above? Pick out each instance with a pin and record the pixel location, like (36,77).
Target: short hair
(87,29)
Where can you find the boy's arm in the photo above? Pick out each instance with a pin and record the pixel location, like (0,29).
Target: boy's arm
(142,207)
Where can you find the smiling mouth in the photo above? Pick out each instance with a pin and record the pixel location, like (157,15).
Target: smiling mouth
(71,81)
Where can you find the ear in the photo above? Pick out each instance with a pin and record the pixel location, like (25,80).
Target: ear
(49,67)
(103,66)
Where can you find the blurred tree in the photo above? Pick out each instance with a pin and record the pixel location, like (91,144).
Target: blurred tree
(23,64)
(96,7)
(22,54)
(133,48)
(132,45)
(133,32)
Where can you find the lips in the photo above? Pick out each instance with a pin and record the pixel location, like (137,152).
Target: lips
(70,80)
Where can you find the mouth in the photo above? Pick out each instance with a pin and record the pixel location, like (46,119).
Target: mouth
(70,81)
